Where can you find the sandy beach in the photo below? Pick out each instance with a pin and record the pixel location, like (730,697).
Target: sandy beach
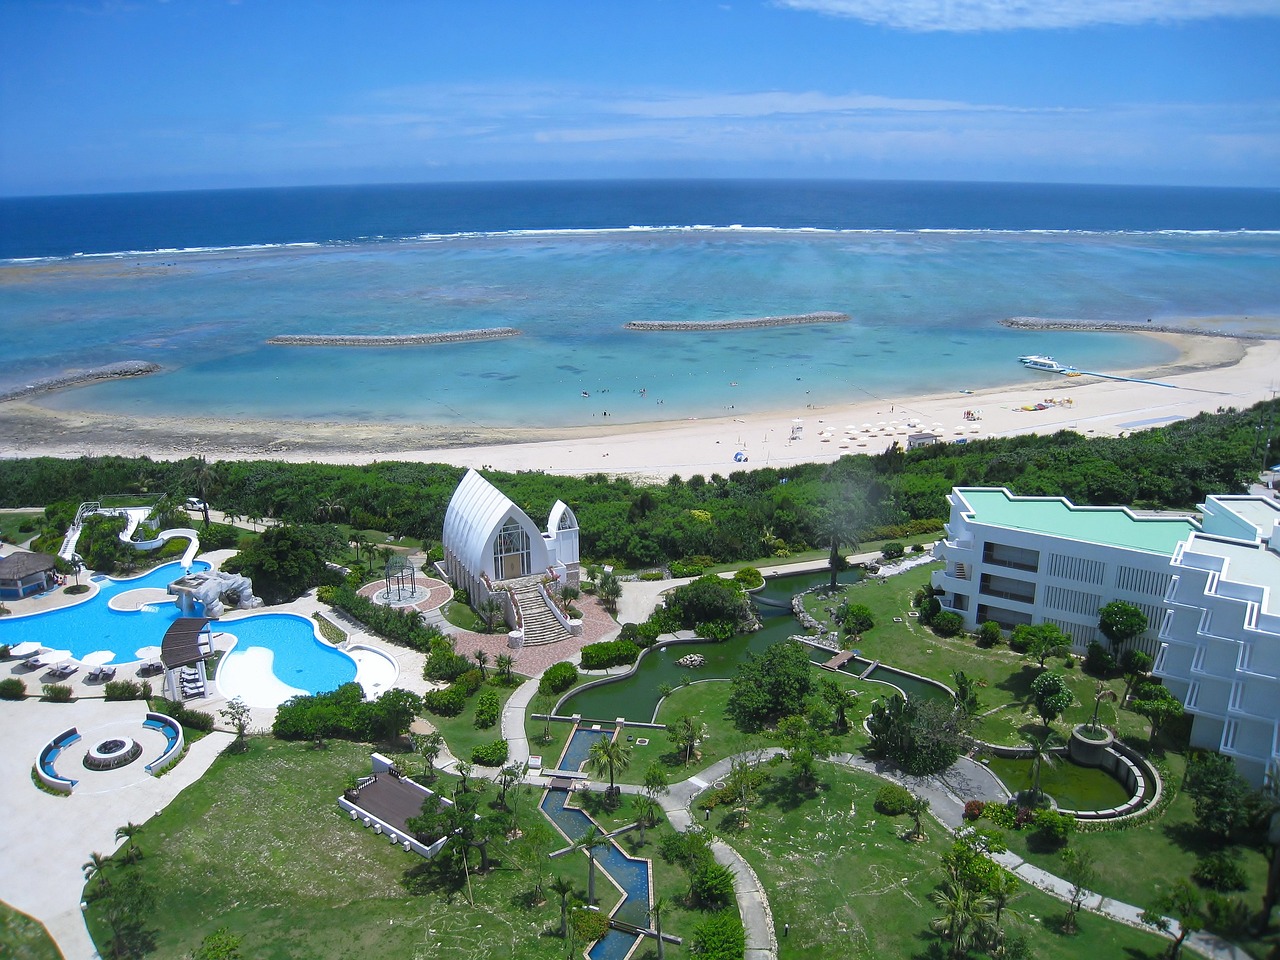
(1211,372)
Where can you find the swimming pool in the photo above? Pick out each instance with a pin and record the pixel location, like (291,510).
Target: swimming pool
(277,656)
(92,625)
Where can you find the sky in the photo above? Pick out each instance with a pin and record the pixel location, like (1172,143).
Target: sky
(124,95)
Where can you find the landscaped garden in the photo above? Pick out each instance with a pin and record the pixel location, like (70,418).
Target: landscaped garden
(22,938)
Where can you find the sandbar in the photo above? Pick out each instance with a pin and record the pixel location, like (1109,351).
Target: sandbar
(1210,373)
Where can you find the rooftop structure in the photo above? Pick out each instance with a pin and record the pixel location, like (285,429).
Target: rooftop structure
(22,574)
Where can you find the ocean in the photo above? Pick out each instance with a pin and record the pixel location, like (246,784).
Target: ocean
(197,282)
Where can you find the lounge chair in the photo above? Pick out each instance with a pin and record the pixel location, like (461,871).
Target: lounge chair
(62,671)
(107,673)
(94,674)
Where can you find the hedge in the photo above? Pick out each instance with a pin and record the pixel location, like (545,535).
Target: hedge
(609,653)
(11,688)
(487,708)
(444,703)
(195,719)
(490,754)
(558,678)
(893,800)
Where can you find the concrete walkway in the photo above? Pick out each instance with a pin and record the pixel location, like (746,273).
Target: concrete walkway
(48,838)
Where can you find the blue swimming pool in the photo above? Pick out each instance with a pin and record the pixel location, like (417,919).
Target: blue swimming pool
(93,625)
(299,659)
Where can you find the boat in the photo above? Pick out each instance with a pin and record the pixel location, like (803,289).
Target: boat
(1034,361)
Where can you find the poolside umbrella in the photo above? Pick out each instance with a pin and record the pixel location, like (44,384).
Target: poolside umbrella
(52,657)
(25,649)
(98,658)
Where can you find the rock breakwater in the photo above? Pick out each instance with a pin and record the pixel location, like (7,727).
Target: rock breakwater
(1121,326)
(111,371)
(702,325)
(395,340)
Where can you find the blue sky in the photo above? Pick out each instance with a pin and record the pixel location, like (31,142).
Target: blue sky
(106,95)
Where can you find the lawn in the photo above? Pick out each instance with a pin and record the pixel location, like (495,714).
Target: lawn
(840,876)
(24,938)
(461,733)
(10,522)
(259,845)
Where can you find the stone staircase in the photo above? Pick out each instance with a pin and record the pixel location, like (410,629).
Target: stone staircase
(540,624)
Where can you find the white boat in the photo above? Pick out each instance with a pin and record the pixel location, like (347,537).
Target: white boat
(1048,364)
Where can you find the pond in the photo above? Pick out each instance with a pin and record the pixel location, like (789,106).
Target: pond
(1073,787)
(636,697)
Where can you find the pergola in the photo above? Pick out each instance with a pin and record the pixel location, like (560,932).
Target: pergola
(187,642)
(398,576)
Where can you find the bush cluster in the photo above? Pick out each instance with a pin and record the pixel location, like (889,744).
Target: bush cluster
(344,713)
(973,810)
(398,626)
(749,578)
(451,701)
(490,754)
(122,690)
(487,709)
(609,653)
(12,688)
(720,936)
(57,692)
(947,623)
(558,678)
(893,800)
(195,719)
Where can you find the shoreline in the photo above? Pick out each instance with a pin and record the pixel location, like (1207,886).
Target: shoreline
(1210,372)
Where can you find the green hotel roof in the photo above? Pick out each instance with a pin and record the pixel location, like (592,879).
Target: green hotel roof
(1113,526)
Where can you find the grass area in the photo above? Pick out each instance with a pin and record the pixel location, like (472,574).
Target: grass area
(259,845)
(461,733)
(462,616)
(10,522)
(550,750)
(849,886)
(24,938)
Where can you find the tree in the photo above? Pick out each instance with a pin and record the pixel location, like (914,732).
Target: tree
(838,527)
(391,715)
(563,889)
(429,745)
(918,807)
(482,660)
(685,732)
(1079,871)
(611,756)
(1136,665)
(544,703)
(1121,622)
(856,618)
(966,693)
(287,561)
(128,832)
(1052,696)
(1186,907)
(839,700)
(1223,800)
(770,685)
(966,918)
(1041,753)
(921,736)
(125,909)
(1042,641)
(588,842)
(490,611)
(1157,704)
(655,915)
(805,745)
(509,776)
(359,541)
(97,867)
(236,713)
(1003,890)
(505,662)
(609,590)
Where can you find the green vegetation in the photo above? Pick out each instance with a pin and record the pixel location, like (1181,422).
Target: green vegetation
(23,938)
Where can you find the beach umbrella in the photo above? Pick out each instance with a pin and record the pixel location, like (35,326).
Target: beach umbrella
(98,658)
(147,653)
(55,656)
(25,649)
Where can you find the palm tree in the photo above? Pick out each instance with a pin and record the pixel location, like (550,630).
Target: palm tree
(562,888)
(838,528)
(609,590)
(589,841)
(966,916)
(1040,755)
(504,663)
(490,609)
(1102,693)
(917,808)
(655,913)
(202,479)
(330,508)
(685,734)
(609,755)
(127,832)
(97,867)
(1003,890)
(482,659)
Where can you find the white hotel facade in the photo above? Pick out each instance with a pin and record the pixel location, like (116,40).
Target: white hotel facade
(1210,588)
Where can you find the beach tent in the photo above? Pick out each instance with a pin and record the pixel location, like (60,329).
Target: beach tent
(740,457)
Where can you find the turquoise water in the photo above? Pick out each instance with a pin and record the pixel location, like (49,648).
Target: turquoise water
(300,660)
(925,309)
(93,625)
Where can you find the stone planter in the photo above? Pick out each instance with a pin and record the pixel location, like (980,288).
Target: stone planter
(1088,752)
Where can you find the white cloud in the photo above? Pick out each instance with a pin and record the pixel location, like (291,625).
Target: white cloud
(968,16)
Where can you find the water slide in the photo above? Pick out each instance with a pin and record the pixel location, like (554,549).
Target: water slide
(133,517)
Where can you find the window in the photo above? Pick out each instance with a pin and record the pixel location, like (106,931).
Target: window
(511,554)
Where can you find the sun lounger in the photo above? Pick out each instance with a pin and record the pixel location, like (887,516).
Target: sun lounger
(64,670)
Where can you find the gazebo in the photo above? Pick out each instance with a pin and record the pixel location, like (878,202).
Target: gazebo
(187,643)
(22,574)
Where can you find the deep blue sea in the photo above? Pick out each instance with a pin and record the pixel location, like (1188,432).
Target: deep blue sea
(198,281)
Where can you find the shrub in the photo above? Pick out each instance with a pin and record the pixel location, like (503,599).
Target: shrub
(917,548)
(717,630)
(1002,815)
(1052,829)
(1219,870)
(121,690)
(720,937)
(469,682)
(57,692)
(686,568)
(558,678)
(1097,661)
(947,623)
(651,575)
(988,634)
(712,885)
(444,703)
(973,809)
(443,665)
(487,708)
(892,550)
(609,653)
(893,800)
(1227,916)
(195,719)
(12,688)
(749,578)
(490,754)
